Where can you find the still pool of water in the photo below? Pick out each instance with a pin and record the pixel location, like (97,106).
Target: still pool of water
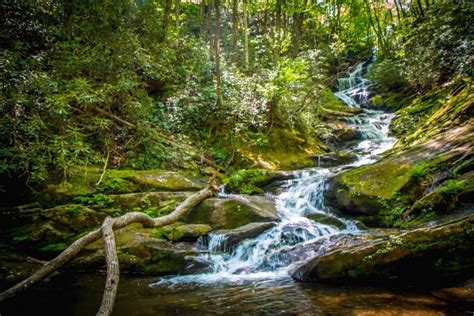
(80,294)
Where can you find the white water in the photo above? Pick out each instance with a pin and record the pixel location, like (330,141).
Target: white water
(259,258)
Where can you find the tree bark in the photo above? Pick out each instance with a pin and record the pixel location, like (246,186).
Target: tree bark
(113,271)
(218,52)
(277,38)
(297,28)
(202,16)
(246,34)
(133,217)
(177,12)
(235,30)
(166,19)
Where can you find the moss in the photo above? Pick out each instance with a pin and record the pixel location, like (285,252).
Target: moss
(57,247)
(285,149)
(246,181)
(82,182)
(181,232)
(383,179)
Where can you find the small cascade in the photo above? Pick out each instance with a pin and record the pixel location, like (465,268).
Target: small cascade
(354,89)
(271,254)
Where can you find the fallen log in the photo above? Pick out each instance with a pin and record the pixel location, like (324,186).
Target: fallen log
(106,231)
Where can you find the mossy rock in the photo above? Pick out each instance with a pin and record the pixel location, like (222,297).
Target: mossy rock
(254,181)
(421,253)
(83,182)
(139,252)
(166,181)
(152,203)
(347,134)
(334,159)
(182,232)
(232,212)
(51,230)
(284,149)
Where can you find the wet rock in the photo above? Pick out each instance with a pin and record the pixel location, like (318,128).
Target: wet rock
(463,292)
(233,211)
(288,255)
(420,177)
(327,220)
(15,266)
(430,253)
(231,237)
(347,134)
(140,252)
(334,159)
(183,232)
(51,229)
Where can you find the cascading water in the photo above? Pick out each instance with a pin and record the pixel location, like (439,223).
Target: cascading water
(266,256)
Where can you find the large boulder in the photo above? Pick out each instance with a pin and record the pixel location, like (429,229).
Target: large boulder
(334,159)
(183,232)
(437,251)
(233,211)
(153,203)
(347,134)
(49,230)
(167,181)
(86,182)
(140,252)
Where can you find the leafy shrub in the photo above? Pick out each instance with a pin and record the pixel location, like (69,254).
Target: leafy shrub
(387,74)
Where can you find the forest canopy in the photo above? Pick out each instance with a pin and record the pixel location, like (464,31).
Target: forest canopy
(155,84)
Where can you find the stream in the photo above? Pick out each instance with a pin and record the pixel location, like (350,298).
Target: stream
(253,278)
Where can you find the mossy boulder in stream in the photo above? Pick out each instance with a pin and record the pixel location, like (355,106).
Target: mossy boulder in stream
(441,250)
(233,211)
(430,179)
(182,232)
(140,252)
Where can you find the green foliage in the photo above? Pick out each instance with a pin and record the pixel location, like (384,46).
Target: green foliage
(453,187)
(98,199)
(246,181)
(387,75)
(421,170)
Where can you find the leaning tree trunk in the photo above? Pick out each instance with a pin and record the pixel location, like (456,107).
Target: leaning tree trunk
(106,231)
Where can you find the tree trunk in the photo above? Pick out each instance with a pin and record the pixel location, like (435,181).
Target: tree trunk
(296,34)
(177,12)
(202,18)
(277,37)
(209,25)
(113,271)
(235,30)
(166,19)
(246,34)
(112,263)
(218,52)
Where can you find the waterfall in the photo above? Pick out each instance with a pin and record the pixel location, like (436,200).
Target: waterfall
(272,253)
